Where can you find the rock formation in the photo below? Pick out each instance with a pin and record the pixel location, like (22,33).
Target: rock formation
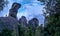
(10,22)
(33,23)
(23,21)
(14,9)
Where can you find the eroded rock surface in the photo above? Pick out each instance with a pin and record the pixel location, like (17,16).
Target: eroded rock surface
(11,22)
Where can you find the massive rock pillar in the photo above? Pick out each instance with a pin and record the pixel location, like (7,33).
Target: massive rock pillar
(11,22)
(14,9)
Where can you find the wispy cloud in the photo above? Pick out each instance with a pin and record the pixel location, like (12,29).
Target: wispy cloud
(32,10)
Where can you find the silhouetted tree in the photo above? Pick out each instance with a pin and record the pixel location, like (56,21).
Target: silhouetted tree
(53,19)
(3,3)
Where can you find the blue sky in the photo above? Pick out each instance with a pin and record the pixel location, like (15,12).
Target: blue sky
(29,9)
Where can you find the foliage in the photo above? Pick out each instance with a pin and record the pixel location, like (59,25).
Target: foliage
(28,31)
(39,31)
(21,30)
(6,32)
(52,21)
(3,3)
(51,28)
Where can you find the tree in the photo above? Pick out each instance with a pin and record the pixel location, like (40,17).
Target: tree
(52,26)
(30,30)
(39,31)
(21,30)
(6,32)
(3,3)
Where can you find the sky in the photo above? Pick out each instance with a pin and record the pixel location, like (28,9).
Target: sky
(29,8)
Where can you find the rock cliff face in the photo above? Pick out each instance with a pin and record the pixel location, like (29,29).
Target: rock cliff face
(10,22)
(14,9)
(33,23)
(23,21)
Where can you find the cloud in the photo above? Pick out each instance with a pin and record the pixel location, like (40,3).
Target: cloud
(31,11)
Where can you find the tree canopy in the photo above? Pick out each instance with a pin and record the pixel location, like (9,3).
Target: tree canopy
(3,3)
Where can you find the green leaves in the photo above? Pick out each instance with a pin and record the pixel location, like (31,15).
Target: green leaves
(6,32)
